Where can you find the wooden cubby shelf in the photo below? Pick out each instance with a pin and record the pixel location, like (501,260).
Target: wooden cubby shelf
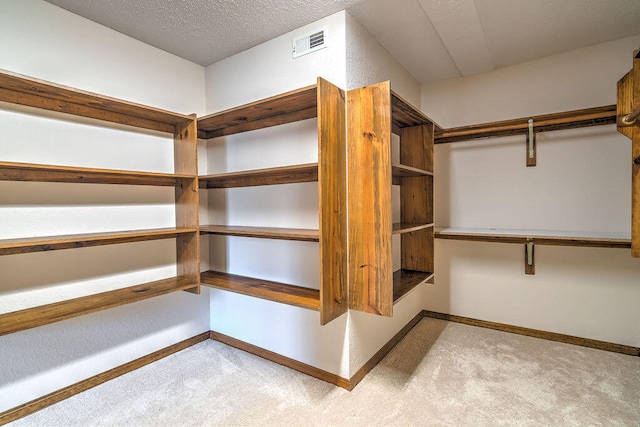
(300,234)
(268,176)
(51,243)
(273,291)
(537,237)
(285,108)
(405,280)
(404,115)
(11,171)
(26,91)
(41,315)
(409,227)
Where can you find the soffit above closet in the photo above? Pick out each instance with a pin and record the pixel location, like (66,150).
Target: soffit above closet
(432,39)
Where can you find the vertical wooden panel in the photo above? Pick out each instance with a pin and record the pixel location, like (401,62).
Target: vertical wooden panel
(332,193)
(369,199)
(635,198)
(186,193)
(416,198)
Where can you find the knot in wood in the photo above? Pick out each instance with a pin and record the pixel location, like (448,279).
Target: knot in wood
(369,135)
(637,161)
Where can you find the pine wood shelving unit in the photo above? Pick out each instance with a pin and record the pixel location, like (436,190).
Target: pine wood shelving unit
(326,102)
(374,112)
(30,92)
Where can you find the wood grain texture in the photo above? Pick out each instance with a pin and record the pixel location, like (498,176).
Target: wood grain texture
(543,123)
(409,227)
(406,280)
(185,151)
(551,336)
(23,90)
(12,171)
(332,201)
(299,104)
(300,234)
(268,176)
(84,385)
(73,241)
(406,115)
(265,289)
(282,360)
(369,200)
(537,237)
(635,156)
(55,312)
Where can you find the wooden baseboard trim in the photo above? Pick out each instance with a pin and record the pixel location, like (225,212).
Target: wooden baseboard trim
(64,393)
(377,358)
(551,336)
(282,360)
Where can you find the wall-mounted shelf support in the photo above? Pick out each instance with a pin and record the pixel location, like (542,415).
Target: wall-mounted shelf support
(529,264)
(531,145)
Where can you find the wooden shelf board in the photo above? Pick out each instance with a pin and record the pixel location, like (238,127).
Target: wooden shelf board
(265,289)
(288,107)
(405,227)
(539,237)
(406,280)
(543,123)
(404,171)
(301,234)
(50,243)
(270,176)
(50,313)
(23,90)
(12,171)
(403,114)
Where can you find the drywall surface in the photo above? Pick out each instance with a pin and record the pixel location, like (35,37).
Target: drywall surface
(46,42)
(368,63)
(262,71)
(582,183)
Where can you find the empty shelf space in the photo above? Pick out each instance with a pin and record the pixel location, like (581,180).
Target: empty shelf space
(19,89)
(403,114)
(409,227)
(50,313)
(50,243)
(288,107)
(270,176)
(405,280)
(301,234)
(539,237)
(12,171)
(265,289)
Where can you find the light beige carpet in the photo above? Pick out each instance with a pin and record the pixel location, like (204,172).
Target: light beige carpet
(441,374)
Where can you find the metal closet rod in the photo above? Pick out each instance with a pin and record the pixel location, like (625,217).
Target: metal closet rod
(557,121)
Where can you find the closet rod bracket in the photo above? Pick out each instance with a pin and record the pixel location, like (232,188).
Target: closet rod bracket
(531,145)
(529,260)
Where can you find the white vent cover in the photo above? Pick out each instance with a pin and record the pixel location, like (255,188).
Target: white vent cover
(310,43)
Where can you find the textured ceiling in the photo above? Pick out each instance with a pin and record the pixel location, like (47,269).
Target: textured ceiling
(432,39)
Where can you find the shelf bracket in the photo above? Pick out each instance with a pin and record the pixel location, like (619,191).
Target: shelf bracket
(529,260)
(531,145)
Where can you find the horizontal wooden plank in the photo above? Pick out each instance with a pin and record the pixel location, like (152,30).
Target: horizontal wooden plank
(403,114)
(538,237)
(301,234)
(406,280)
(543,123)
(51,243)
(50,313)
(265,289)
(19,89)
(407,227)
(13,171)
(269,176)
(299,104)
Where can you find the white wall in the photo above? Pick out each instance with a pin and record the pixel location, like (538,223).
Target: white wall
(46,42)
(582,183)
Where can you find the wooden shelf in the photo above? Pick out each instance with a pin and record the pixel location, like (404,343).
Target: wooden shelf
(269,176)
(409,227)
(406,280)
(50,313)
(538,237)
(288,107)
(301,234)
(543,123)
(403,115)
(11,171)
(23,90)
(265,289)
(51,243)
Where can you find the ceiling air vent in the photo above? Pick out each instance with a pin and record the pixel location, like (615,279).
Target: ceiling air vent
(310,43)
